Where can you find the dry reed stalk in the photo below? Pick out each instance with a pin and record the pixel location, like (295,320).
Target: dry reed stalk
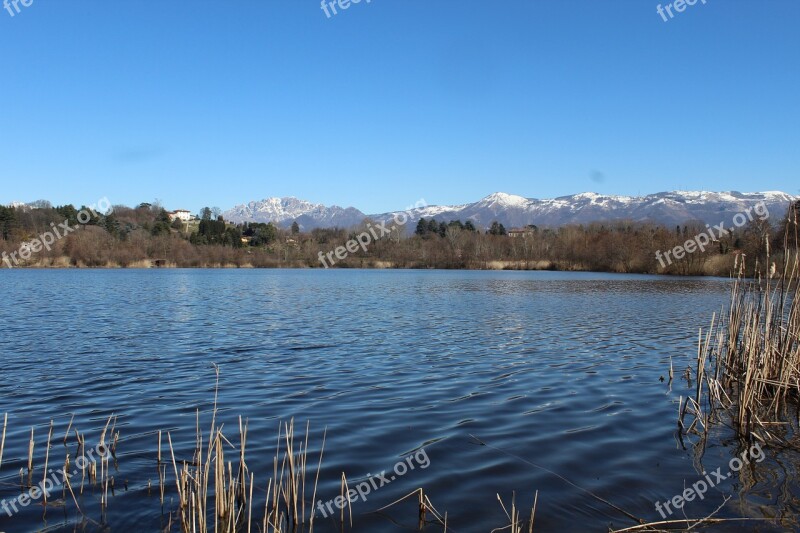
(316,479)
(3,440)
(422,510)
(84,466)
(209,479)
(751,363)
(30,459)
(345,495)
(66,469)
(66,434)
(250,504)
(46,461)
(424,501)
(513,517)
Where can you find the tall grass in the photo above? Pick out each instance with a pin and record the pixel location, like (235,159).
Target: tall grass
(750,360)
(214,495)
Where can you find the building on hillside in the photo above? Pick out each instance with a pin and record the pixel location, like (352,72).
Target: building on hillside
(527,231)
(181,214)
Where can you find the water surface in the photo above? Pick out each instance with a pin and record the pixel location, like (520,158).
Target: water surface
(556,369)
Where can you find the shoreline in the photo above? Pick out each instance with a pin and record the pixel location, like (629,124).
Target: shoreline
(495,266)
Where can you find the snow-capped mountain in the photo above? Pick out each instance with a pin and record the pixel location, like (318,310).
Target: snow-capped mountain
(674,207)
(284,211)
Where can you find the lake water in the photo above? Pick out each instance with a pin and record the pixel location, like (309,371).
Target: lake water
(556,369)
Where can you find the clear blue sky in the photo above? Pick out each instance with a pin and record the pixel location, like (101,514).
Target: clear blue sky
(222,102)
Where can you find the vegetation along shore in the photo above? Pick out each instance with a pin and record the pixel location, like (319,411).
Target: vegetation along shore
(148,236)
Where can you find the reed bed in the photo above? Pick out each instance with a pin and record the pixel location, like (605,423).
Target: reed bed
(215,489)
(57,483)
(217,494)
(518,524)
(749,360)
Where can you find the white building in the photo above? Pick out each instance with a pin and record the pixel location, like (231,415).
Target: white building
(181,214)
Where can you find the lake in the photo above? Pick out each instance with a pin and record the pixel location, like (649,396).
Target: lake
(509,382)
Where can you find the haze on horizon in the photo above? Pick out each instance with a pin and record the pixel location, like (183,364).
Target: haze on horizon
(389,102)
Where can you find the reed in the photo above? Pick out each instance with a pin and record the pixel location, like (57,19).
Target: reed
(3,440)
(749,360)
(424,505)
(517,524)
(216,489)
(215,496)
(31,446)
(47,460)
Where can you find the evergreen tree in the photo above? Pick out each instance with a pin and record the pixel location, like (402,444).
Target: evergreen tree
(456,224)
(111,225)
(8,220)
(69,213)
(497,229)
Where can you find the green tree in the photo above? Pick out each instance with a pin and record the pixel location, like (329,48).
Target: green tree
(497,229)
(295,228)
(162,224)
(456,224)
(263,234)
(8,220)
(69,213)
(112,226)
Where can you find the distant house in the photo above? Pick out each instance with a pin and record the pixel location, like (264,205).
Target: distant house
(181,214)
(527,231)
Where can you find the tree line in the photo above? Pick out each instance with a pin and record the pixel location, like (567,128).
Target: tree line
(142,235)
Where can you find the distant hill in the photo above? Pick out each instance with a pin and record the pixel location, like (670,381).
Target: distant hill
(674,207)
(284,211)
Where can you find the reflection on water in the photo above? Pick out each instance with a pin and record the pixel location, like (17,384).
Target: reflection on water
(556,369)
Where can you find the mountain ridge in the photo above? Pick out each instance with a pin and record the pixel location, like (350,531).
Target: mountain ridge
(670,207)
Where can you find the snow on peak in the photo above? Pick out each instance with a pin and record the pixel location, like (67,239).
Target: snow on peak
(506,200)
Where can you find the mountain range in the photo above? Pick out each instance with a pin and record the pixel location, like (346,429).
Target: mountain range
(672,208)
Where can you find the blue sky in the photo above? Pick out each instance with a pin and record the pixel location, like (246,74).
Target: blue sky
(218,103)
